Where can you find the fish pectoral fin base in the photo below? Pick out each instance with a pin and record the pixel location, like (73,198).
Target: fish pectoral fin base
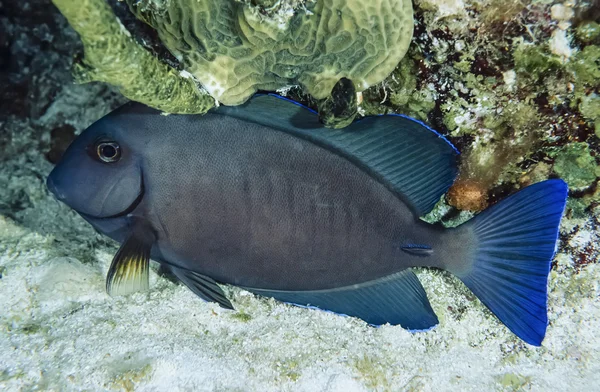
(203,286)
(130,268)
(398,299)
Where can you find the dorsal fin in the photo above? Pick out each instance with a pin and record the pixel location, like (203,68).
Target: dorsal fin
(408,157)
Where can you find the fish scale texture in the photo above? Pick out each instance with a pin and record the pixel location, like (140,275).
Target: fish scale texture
(411,159)
(233,50)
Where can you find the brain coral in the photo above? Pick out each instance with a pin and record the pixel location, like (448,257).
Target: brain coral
(235,48)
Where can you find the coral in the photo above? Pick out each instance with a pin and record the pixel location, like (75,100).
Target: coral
(233,49)
(576,166)
(339,109)
(60,331)
(112,56)
(586,66)
(520,88)
(468,195)
(588,32)
(590,109)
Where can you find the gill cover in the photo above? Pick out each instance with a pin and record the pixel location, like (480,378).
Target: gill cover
(93,186)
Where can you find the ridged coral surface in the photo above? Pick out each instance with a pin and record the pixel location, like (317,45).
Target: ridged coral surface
(234,48)
(113,56)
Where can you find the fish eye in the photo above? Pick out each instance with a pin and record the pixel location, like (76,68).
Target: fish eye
(108,152)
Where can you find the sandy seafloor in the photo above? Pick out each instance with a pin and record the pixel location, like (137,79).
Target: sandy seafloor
(60,331)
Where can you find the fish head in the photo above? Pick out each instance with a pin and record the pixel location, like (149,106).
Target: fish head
(100,173)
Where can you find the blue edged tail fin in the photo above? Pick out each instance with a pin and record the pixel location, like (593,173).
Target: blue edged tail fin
(515,244)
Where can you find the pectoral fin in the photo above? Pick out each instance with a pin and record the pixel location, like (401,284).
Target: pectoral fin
(203,286)
(129,270)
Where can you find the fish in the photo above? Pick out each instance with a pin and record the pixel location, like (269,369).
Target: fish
(263,197)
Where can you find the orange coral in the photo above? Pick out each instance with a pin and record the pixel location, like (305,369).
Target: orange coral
(468,194)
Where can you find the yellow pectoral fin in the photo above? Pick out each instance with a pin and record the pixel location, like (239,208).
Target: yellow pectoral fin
(129,270)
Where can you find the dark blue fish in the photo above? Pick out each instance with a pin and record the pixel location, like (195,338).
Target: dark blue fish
(263,197)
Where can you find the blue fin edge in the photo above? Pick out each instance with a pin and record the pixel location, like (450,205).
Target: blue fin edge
(345,315)
(377,115)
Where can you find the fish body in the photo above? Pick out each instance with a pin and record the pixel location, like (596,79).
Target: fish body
(263,197)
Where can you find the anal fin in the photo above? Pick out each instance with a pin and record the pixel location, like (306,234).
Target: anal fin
(203,286)
(398,299)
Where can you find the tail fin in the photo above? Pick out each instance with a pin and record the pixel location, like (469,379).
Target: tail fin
(515,242)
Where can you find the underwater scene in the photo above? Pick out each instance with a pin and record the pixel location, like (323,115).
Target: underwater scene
(299,195)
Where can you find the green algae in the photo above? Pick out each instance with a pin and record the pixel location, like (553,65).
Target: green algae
(242,316)
(289,369)
(502,11)
(535,61)
(574,164)
(405,97)
(113,56)
(579,207)
(588,32)
(585,67)
(127,381)
(457,337)
(510,96)
(513,381)
(372,373)
(590,109)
